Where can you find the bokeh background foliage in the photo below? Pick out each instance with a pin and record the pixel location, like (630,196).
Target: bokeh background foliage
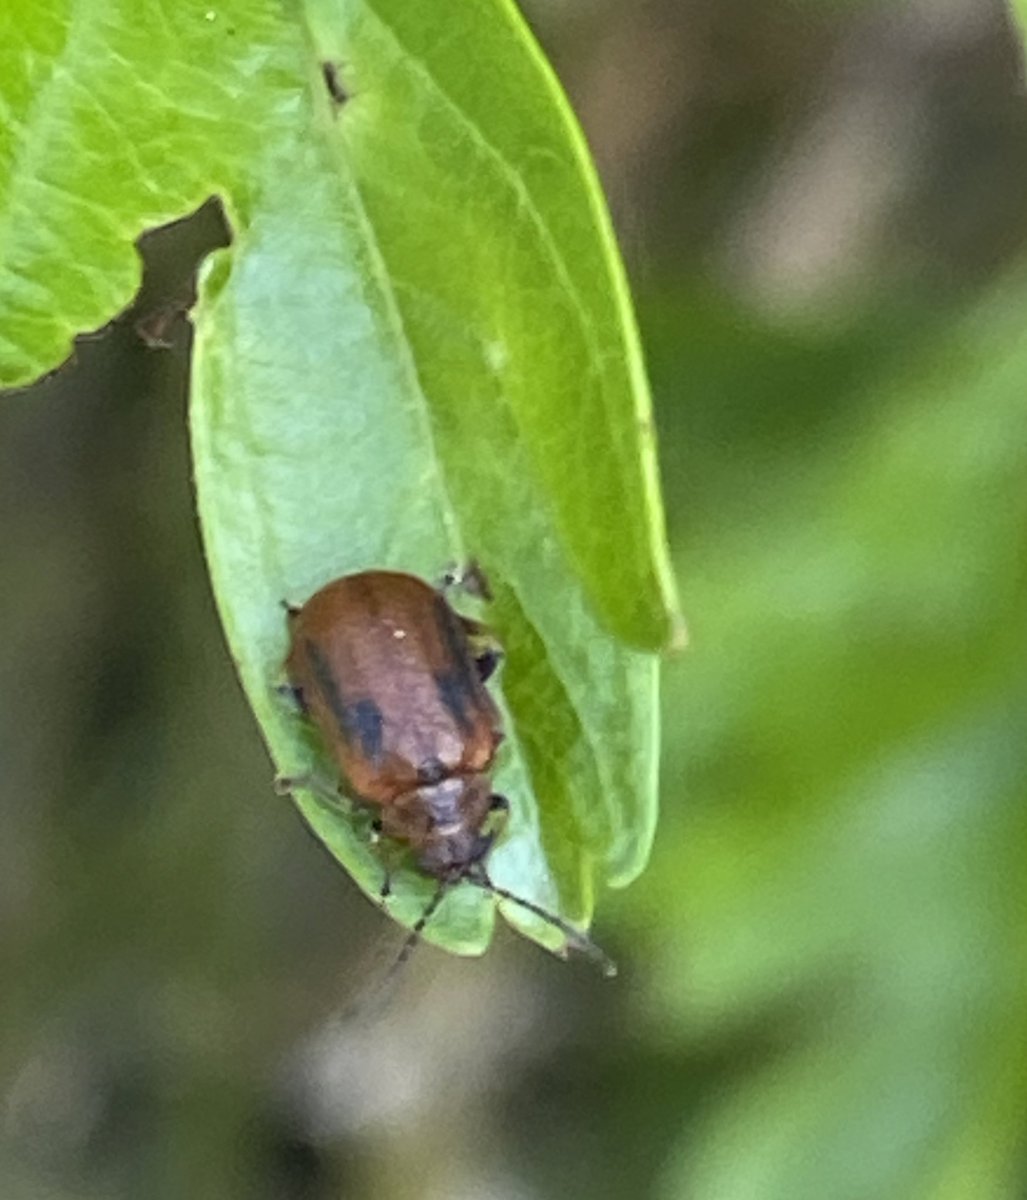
(371,383)
(823,969)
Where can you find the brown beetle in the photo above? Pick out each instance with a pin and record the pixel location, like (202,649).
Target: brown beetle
(394,680)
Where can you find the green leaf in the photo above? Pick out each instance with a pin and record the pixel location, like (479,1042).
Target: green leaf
(418,349)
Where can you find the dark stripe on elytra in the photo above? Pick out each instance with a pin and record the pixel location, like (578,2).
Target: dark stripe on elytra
(457,687)
(362,722)
(456,691)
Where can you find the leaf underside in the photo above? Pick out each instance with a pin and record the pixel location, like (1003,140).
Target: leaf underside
(417,350)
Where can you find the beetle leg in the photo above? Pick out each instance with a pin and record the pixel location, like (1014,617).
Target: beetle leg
(471,579)
(374,836)
(311,781)
(499,814)
(488,653)
(291,692)
(385,891)
(466,577)
(487,662)
(323,787)
(291,610)
(391,855)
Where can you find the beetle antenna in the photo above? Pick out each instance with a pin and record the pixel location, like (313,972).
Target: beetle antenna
(380,994)
(577,939)
(414,936)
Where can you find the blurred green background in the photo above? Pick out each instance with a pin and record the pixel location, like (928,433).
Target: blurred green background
(824,972)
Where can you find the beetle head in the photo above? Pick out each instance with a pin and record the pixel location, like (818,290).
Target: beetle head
(451,826)
(455,841)
(443,823)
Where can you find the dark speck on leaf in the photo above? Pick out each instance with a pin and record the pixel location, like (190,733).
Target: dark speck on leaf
(338,93)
